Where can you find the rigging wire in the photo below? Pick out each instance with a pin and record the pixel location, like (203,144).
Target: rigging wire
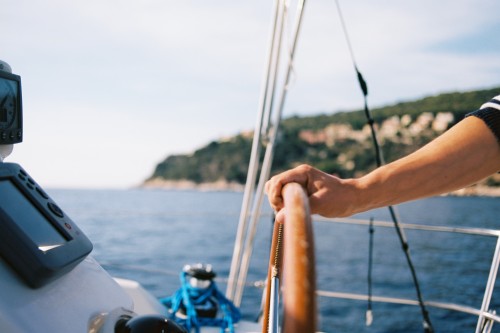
(380,161)
(369,314)
(268,88)
(267,160)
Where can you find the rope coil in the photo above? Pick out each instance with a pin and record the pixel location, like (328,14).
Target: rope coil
(194,307)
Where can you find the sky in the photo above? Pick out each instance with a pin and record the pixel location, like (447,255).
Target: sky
(112,87)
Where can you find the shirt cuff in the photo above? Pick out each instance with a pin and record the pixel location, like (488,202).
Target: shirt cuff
(490,114)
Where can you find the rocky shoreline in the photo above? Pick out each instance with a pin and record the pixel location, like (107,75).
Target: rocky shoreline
(477,191)
(220,185)
(223,185)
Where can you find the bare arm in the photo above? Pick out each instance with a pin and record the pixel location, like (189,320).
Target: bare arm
(463,155)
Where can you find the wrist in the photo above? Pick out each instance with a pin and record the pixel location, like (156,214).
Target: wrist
(353,201)
(366,193)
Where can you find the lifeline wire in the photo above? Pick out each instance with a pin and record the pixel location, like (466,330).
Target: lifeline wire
(378,153)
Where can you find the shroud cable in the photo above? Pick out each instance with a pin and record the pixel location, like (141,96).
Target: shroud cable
(380,161)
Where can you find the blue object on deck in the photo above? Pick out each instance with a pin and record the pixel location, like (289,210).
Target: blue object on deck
(198,302)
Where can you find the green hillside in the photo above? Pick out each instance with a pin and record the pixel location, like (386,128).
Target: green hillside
(337,143)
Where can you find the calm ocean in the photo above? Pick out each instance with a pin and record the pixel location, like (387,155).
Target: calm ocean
(148,236)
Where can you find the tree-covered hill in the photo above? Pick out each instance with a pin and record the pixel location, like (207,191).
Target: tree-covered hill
(337,143)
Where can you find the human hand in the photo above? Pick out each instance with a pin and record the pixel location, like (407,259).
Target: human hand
(328,195)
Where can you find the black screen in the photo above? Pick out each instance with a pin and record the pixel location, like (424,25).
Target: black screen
(8,102)
(29,219)
(11,130)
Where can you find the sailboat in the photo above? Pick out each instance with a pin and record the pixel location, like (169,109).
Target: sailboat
(50,283)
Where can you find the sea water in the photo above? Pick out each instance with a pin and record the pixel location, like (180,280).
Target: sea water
(149,235)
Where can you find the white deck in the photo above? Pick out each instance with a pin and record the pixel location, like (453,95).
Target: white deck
(86,300)
(145,303)
(66,305)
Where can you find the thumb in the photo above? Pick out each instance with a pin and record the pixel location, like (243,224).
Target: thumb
(280,216)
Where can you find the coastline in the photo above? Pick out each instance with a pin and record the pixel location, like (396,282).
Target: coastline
(183,184)
(478,190)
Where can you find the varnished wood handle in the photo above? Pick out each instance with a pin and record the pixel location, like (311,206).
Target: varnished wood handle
(298,261)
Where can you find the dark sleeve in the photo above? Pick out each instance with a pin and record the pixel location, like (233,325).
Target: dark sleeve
(490,114)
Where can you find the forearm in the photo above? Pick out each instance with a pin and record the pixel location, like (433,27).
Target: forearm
(463,155)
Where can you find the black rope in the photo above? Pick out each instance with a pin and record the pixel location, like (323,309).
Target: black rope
(406,248)
(369,316)
(380,161)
